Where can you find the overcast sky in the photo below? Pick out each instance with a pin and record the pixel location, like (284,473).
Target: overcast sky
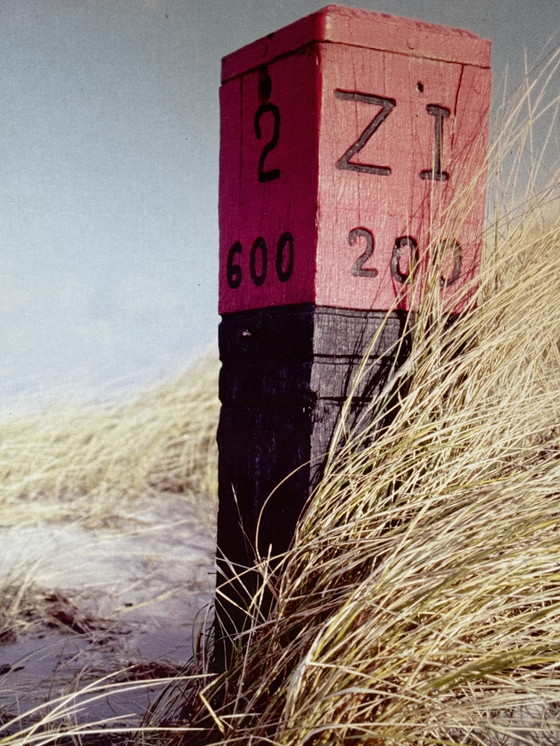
(109,136)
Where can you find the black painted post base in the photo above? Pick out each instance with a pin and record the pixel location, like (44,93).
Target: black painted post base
(286,373)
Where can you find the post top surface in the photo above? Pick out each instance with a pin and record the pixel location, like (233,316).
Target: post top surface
(338,24)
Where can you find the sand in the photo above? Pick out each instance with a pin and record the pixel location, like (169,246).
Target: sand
(102,600)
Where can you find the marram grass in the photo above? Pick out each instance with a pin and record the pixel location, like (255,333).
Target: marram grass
(94,462)
(420,601)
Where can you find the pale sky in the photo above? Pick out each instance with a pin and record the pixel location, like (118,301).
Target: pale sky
(109,136)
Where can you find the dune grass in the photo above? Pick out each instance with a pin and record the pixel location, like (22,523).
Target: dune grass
(420,601)
(93,462)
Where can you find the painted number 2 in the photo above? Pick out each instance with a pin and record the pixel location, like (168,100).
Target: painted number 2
(271,114)
(358,269)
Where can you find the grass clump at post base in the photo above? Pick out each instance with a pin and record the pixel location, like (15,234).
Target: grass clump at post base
(94,462)
(420,602)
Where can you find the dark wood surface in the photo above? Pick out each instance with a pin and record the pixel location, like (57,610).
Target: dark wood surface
(286,373)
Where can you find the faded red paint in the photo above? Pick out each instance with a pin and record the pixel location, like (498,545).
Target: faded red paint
(310,91)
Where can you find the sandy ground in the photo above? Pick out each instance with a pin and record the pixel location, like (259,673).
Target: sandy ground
(98,601)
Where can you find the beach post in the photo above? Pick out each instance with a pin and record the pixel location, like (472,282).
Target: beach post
(344,139)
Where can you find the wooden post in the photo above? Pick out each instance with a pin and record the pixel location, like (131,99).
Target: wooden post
(345,138)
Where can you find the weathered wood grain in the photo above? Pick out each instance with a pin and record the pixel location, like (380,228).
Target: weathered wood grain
(352,144)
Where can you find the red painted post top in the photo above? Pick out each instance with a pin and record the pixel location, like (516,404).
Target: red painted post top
(353,148)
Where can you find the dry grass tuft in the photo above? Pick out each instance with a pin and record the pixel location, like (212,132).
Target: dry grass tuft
(92,462)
